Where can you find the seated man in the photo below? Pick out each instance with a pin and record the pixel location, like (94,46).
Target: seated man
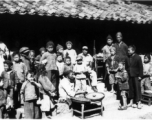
(66,91)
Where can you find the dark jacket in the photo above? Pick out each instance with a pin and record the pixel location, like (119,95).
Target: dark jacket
(135,66)
(121,50)
(115,65)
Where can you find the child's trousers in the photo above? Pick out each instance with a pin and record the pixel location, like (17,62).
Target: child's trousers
(31,110)
(81,85)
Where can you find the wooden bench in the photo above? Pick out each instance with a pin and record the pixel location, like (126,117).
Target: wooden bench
(146,98)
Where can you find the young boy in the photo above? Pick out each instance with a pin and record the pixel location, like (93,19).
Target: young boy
(122,79)
(60,65)
(70,52)
(68,65)
(112,66)
(29,95)
(80,70)
(20,71)
(51,67)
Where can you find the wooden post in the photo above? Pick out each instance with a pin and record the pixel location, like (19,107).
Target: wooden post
(82,111)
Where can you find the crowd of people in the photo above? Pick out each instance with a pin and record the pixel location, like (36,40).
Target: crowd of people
(128,73)
(44,84)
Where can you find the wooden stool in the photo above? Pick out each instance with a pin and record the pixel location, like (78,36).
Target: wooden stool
(147,98)
(83,110)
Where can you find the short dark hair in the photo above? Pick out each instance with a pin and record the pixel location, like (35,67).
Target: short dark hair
(67,72)
(133,47)
(68,58)
(59,54)
(16,53)
(148,56)
(42,49)
(8,62)
(49,43)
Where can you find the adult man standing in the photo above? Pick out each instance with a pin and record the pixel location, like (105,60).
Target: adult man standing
(121,47)
(135,73)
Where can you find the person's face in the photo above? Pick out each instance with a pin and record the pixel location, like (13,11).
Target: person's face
(30,77)
(69,46)
(50,48)
(109,41)
(79,62)
(59,58)
(119,38)
(121,66)
(71,76)
(6,67)
(130,51)
(32,55)
(42,52)
(68,61)
(146,60)
(16,58)
(85,52)
(113,52)
(61,50)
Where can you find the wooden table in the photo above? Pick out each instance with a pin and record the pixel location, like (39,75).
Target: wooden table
(83,109)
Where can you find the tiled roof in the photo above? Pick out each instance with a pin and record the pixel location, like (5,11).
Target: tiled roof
(89,9)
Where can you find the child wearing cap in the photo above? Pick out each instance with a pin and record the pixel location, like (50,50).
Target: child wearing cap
(123,85)
(87,58)
(80,70)
(70,52)
(59,49)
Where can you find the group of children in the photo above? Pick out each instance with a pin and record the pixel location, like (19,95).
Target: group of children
(38,83)
(119,77)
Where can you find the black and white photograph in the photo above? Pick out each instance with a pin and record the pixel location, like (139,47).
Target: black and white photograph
(76,59)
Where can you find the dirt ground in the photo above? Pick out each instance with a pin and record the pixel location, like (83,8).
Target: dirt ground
(111,110)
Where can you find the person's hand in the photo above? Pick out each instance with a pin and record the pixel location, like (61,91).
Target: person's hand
(15,88)
(139,78)
(32,82)
(53,94)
